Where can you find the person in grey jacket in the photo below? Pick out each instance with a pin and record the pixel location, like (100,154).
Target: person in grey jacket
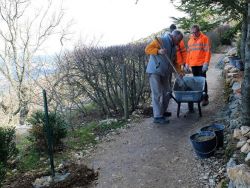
(160,72)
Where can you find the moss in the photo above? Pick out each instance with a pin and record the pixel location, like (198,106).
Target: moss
(227,91)
(230,148)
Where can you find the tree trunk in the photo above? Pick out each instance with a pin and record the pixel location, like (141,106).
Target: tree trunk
(246,81)
(243,36)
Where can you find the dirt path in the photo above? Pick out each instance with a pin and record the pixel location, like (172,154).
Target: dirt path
(151,156)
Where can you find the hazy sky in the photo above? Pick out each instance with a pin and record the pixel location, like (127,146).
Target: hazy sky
(118,21)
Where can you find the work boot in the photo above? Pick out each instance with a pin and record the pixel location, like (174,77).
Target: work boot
(167,114)
(205,102)
(160,120)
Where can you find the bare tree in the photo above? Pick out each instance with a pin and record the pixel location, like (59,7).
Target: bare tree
(23,31)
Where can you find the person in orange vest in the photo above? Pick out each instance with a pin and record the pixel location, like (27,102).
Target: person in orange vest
(181,52)
(198,58)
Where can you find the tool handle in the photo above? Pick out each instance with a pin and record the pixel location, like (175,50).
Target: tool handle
(169,60)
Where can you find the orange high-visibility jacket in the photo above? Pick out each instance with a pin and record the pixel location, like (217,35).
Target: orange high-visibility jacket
(181,53)
(199,50)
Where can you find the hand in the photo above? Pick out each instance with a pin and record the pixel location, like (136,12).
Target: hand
(205,67)
(162,51)
(186,68)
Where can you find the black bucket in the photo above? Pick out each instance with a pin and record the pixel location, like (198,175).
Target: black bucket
(218,129)
(204,143)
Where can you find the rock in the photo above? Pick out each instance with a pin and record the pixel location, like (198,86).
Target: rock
(247,159)
(240,175)
(241,143)
(248,141)
(235,123)
(231,184)
(237,133)
(226,60)
(245,148)
(42,182)
(236,87)
(232,52)
(234,70)
(231,163)
(245,130)
(232,75)
(228,80)
(227,68)
(234,104)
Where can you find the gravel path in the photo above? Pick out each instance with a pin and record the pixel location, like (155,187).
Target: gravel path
(157,156)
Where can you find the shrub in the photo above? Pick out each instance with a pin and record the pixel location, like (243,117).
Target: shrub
(7,149)
(2,173)
(7,144)
(38,134)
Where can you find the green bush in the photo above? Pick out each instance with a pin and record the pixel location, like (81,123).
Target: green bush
(2,173)
(7,144)
(228,35)
(38,135)
(7,149)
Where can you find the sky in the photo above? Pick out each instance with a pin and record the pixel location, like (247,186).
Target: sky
(114,22)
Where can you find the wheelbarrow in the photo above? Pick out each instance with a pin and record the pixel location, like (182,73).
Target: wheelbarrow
(191,91)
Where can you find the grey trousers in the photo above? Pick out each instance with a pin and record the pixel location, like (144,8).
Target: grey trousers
(160,88)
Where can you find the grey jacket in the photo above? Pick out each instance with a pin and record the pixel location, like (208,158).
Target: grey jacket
(158,64)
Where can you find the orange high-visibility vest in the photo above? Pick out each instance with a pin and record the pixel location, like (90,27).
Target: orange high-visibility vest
(181,53)
(199,50)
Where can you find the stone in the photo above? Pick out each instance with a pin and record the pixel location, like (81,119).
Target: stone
(232,52)
(233,124)
(226,60)
(236,87)
(245,149)
(231,163)
(248,141)
(237,133)
(247,159)
(241,143)
(232,75)
(227,68)
(245,130)
(228,80)
(234,70)
(240,175)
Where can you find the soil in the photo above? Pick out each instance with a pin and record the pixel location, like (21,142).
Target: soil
(154,156)
(80,176)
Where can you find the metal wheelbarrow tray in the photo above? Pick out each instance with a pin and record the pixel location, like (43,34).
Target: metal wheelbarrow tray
(188,89)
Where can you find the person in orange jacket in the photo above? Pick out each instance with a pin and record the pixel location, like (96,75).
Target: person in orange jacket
(181,52)
(198,58)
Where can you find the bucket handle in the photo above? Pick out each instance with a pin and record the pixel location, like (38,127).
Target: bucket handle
(209,151)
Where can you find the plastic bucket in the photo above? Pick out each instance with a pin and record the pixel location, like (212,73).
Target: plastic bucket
(204,143)
(218,129)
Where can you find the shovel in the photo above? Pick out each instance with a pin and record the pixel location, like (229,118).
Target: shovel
(186,88)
